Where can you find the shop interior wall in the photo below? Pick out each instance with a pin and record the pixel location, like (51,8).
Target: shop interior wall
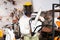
(7,7)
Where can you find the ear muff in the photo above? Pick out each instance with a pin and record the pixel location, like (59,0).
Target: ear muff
(58,23)
(1,33)
(57,38)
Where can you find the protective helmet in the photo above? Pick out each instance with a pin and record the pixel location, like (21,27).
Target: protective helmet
(27,4)
(1,33)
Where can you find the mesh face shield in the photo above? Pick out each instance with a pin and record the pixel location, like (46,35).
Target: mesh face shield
(28,9)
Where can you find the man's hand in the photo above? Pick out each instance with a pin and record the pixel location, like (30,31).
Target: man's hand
(41,18)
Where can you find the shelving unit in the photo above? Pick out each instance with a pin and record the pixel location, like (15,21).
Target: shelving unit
(53,12)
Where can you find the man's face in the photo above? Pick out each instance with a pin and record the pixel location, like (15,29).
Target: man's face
(28,9)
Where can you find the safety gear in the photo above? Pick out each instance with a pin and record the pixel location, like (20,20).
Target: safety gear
(27,4)
(28,8)
(1,33)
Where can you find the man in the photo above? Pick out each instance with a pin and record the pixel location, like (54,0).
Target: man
(57,22)
(24,20)
(25,28)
